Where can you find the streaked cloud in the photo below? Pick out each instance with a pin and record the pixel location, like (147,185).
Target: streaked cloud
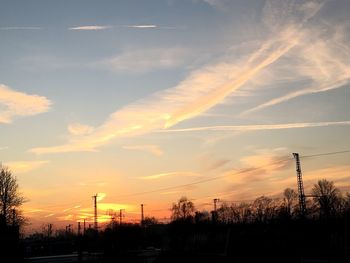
(101,196)
(79,129)
(49,215)
(200,91)
(25,166)
(150,148)
(260,127)
(321,62)
(138,61)
(259,167)
(209,162)
(104,27)
(113,206)
(90,27)
(4,148)
(15,104)
(142,26)
(71,208)
(33,210)
(172,174)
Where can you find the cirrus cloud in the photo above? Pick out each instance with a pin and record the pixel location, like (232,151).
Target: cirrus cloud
(203,89)
(19,167)
(89,28)
(15,104)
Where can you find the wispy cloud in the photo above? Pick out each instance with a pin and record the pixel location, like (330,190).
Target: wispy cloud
(4,148)
(104,27)
(71,208)
(16,104)
(321,62)
(210,162)
(90,27)
(137,61)
(25,166)
(101,196)
(260,127)
(172,174)
(79,129)
(49,215)
(200,91)
(150,148)
(259,167)
(142,26)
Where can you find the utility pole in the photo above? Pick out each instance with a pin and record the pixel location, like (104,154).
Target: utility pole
(302,203)
(68,229)
(80,253)
(215,202)
(95,211)
(214,213)
(142,217)
(49,230)
(79,229)
(84,226)
(120,216)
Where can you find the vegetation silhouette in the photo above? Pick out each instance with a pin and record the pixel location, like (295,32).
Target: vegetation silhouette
(270,229)
(11,218)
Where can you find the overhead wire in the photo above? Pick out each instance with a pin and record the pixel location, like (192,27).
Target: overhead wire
(242,171)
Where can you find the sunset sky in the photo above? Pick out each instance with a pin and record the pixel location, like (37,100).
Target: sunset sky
(148,101)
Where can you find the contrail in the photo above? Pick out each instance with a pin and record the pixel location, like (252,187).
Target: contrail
(259,127)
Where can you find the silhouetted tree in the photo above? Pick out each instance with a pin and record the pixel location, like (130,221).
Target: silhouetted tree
(10,198)
(225,213)
(149,221)
(244,213)
(327,197)
(346,205)
(265,209)
(289,200)
(202,216)
(183,209)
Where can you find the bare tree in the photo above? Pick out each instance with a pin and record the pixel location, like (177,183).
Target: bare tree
(225,213)
(265,209)
(149,221)
(327,197)
(10,198)
(183,209)
(289,200)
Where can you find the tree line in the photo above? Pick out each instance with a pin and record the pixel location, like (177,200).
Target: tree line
(325,202)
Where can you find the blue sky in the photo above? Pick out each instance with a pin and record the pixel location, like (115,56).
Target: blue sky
(121,97)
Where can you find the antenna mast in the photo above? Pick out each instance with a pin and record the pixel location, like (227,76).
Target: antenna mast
(302,203)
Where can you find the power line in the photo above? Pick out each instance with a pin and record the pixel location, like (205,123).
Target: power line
(324,154)
(246,170)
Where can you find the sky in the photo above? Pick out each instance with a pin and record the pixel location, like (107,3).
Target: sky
(142,102)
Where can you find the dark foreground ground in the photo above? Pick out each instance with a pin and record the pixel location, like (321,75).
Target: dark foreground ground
(296,241)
